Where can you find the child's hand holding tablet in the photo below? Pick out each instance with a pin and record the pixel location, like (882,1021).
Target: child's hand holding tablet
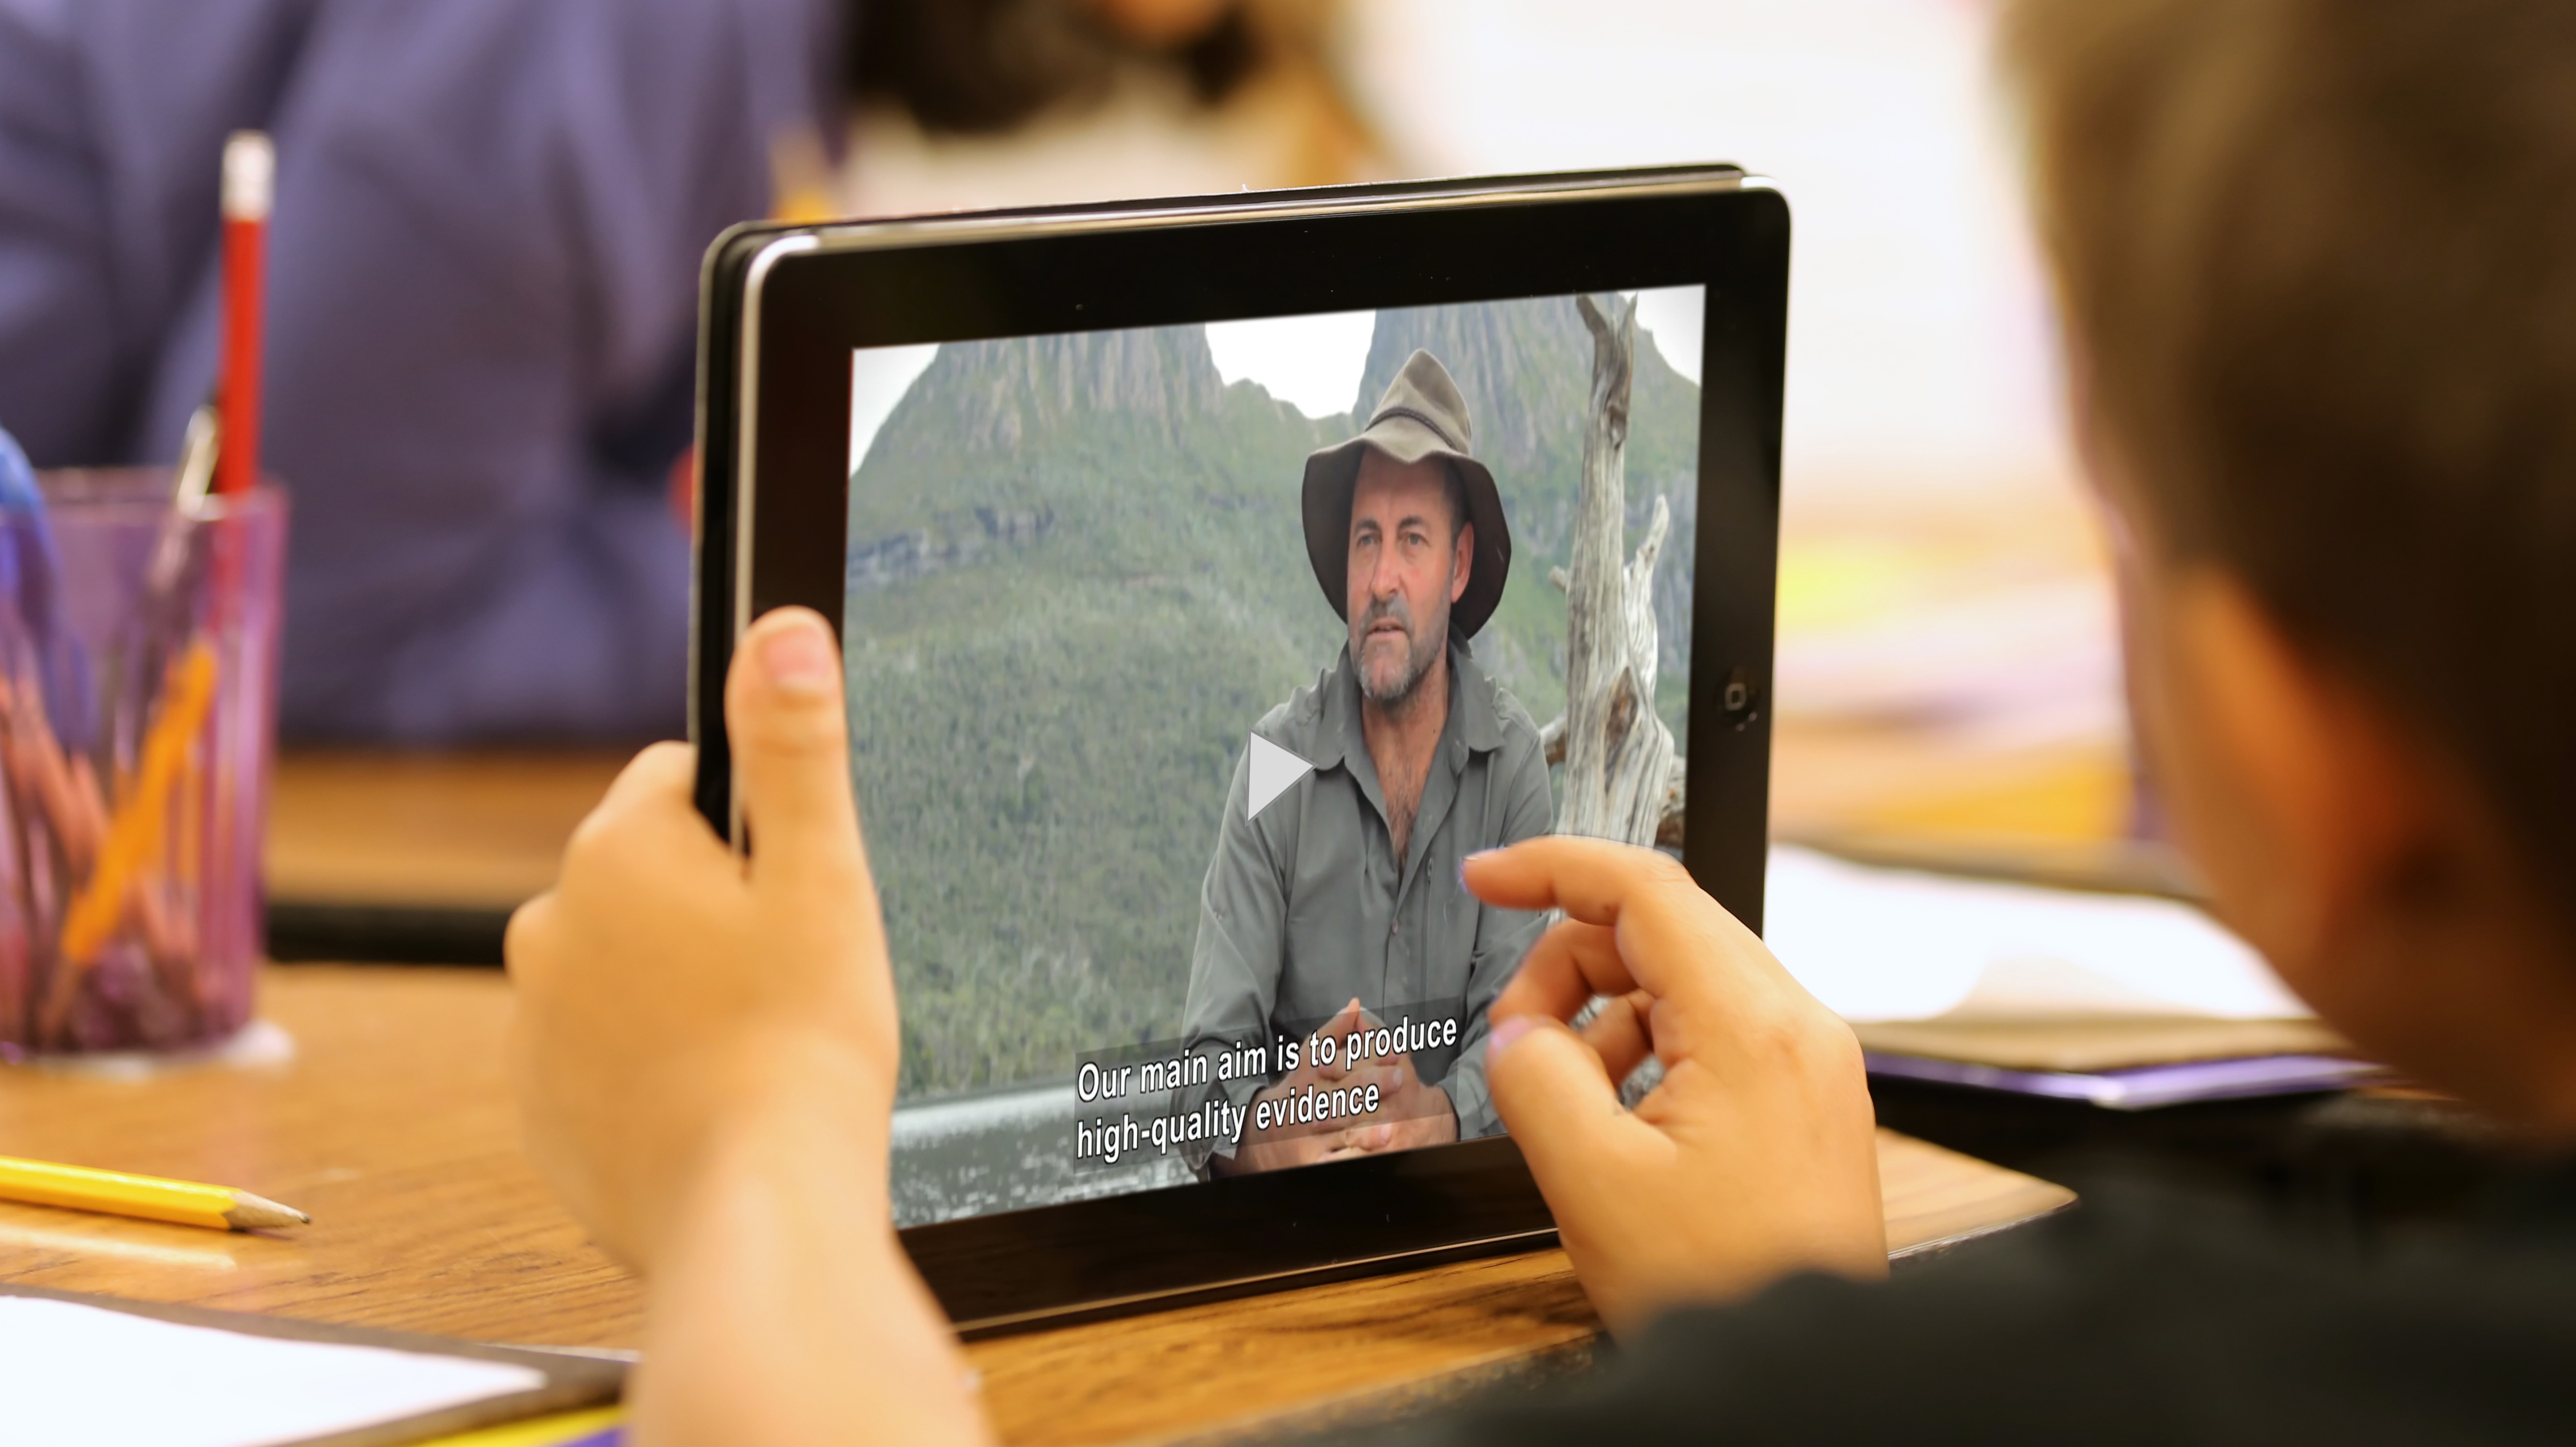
(705,1052)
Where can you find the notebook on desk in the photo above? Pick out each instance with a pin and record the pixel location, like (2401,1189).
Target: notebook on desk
(2122,999)
(2091,1043)
(94,1371)
(592,1427)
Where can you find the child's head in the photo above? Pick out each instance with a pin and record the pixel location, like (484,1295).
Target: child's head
(2317,264)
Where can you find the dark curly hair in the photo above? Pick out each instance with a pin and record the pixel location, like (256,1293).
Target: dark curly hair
(979,66)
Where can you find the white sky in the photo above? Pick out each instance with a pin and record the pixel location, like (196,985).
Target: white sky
(879,376)
(1313,363)
(1675,316)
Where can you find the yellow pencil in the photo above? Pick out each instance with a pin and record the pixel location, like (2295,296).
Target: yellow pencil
(217,1208)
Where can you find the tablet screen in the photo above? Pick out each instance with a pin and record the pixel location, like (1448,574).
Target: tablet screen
(1185,664)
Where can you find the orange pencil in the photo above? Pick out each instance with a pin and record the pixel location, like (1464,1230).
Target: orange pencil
(135,833)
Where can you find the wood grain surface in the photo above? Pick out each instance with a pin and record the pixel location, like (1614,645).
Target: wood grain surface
(456,831)
(391,1124)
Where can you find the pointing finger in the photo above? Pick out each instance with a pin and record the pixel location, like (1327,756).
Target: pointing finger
(1673,938)
(1592,880)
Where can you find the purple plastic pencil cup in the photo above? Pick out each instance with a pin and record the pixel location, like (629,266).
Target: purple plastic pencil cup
(138,706)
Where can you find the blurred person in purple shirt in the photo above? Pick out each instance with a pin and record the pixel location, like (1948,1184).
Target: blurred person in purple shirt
(482,288)
(482,311)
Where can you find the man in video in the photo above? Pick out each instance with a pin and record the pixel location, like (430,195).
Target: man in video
(1333,907)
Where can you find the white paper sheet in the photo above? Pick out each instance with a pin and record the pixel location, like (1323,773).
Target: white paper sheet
(82,1376)
(1890,944)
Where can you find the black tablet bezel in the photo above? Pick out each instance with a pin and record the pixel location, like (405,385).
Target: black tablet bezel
(782,307)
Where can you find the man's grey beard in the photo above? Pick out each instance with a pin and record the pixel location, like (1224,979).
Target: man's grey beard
(1417,660)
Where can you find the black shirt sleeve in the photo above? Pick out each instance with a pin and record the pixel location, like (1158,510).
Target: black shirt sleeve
(2141,1319)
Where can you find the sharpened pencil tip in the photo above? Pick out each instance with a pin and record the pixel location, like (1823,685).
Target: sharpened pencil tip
(253,1213)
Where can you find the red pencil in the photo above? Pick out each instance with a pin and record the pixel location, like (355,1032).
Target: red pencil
(250,183)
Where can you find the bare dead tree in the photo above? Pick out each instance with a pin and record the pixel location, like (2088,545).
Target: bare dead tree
(1621,777)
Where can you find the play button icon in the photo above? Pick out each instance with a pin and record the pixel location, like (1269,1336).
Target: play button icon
(1274,771)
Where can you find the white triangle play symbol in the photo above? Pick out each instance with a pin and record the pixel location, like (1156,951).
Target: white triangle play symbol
(1274,770)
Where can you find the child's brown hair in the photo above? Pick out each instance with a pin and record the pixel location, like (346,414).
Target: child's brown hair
(2317,260)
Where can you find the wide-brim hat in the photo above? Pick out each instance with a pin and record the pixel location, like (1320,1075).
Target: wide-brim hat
(1421,416)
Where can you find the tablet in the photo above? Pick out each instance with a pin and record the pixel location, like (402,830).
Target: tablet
(1213,576)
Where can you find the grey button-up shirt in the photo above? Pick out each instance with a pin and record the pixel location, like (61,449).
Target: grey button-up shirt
(1306,906)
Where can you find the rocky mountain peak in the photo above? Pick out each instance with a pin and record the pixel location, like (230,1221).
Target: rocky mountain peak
(994,394)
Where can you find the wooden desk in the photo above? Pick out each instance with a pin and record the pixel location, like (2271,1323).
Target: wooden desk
(418,857)
(392,1125)
(476,831)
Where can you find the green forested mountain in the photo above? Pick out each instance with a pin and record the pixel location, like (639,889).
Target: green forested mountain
(1076,579)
